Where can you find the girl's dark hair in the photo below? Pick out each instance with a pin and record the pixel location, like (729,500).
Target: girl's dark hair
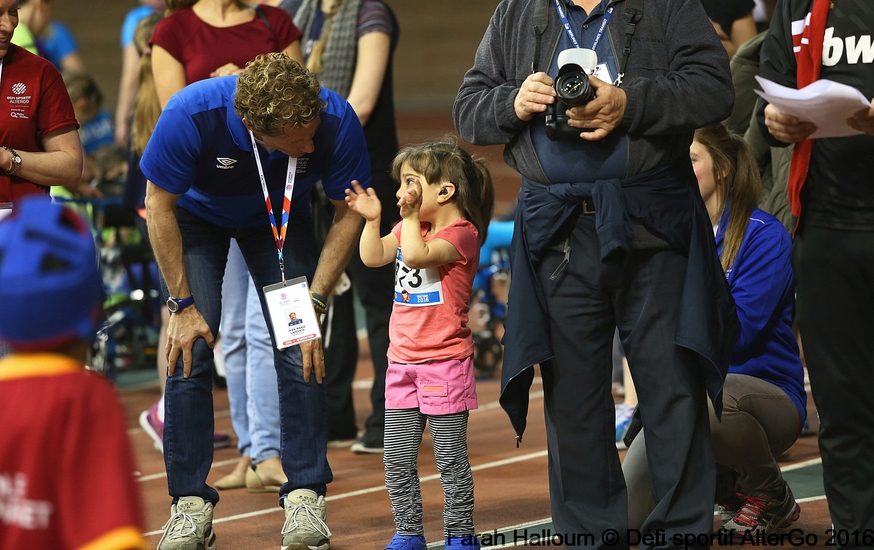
(445,160)
(738,183)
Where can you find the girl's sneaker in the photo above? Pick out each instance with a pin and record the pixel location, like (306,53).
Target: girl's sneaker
(406,542)
(469,542)
(154,428)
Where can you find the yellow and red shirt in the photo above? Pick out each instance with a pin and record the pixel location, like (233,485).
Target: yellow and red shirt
(66,468)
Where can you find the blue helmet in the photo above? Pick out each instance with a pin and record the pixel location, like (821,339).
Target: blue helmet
(51,291)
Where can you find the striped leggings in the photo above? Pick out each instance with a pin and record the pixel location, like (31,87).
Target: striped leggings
(403,436)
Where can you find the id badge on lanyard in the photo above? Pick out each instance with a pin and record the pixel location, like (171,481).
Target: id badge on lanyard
(291,312)
(288,302)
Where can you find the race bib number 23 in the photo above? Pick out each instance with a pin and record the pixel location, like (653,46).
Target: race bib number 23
(417,287)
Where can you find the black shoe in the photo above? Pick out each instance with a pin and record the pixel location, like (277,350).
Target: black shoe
(367,444)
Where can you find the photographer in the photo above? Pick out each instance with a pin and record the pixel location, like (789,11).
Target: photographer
(614,235)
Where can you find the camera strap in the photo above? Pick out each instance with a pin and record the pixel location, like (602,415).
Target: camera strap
(633,15)
(538,26)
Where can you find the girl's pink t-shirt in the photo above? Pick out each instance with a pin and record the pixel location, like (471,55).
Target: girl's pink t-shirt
(429,318)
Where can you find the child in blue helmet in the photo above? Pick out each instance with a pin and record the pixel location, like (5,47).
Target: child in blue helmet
(69,482)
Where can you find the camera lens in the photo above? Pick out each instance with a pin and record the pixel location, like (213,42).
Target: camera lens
(571,87)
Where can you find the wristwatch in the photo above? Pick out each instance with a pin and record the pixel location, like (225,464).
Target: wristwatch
(16,162)
(175,305)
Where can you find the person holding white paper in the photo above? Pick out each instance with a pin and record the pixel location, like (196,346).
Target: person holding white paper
(238,157)
(832,197)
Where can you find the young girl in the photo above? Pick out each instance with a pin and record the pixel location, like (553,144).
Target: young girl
(445,199)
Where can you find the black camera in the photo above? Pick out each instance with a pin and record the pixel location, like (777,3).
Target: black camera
(572,89)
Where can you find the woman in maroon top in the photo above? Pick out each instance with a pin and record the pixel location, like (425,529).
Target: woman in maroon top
(216,38)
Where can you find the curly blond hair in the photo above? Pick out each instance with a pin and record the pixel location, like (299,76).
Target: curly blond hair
(275,92)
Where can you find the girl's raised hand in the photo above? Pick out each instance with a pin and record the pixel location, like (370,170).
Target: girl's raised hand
(363,201)
(410,200)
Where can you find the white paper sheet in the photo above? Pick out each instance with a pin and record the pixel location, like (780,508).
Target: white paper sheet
(826,103)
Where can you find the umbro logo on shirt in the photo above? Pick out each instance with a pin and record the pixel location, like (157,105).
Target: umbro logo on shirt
(225,163)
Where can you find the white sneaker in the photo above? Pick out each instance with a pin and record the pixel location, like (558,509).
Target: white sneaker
(305,527)
(189,526)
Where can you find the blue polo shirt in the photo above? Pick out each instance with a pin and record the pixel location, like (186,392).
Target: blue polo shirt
(201,150)
(575,160)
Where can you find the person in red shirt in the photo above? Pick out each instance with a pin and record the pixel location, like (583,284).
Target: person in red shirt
(39,144)
(66,468)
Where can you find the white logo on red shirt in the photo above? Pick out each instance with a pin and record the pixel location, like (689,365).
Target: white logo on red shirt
(16,509)
(18,98)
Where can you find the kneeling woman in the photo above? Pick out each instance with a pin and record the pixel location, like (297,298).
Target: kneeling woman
(764,403)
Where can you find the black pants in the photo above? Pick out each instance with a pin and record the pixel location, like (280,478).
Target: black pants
(587,488)
(834,272)
(375,291)
(374,288)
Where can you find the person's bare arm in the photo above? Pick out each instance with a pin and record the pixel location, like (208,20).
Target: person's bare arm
(863,120)
(73,63)
(375,251)
(535,95)
(169,74)
(188,325)
(336,252)
(371,65)
(60,164)
(293,51)
(417,253)
(127,91)
(603,114)
(339,244)
(785,127)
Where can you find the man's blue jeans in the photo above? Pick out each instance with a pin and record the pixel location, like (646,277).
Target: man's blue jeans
(188,422)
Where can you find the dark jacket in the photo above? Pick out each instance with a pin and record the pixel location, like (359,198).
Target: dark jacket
(837,193)
(675,82)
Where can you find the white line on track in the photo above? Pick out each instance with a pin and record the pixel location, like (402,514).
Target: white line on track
(375,489)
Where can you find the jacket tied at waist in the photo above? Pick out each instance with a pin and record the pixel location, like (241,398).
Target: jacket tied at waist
(665,201)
